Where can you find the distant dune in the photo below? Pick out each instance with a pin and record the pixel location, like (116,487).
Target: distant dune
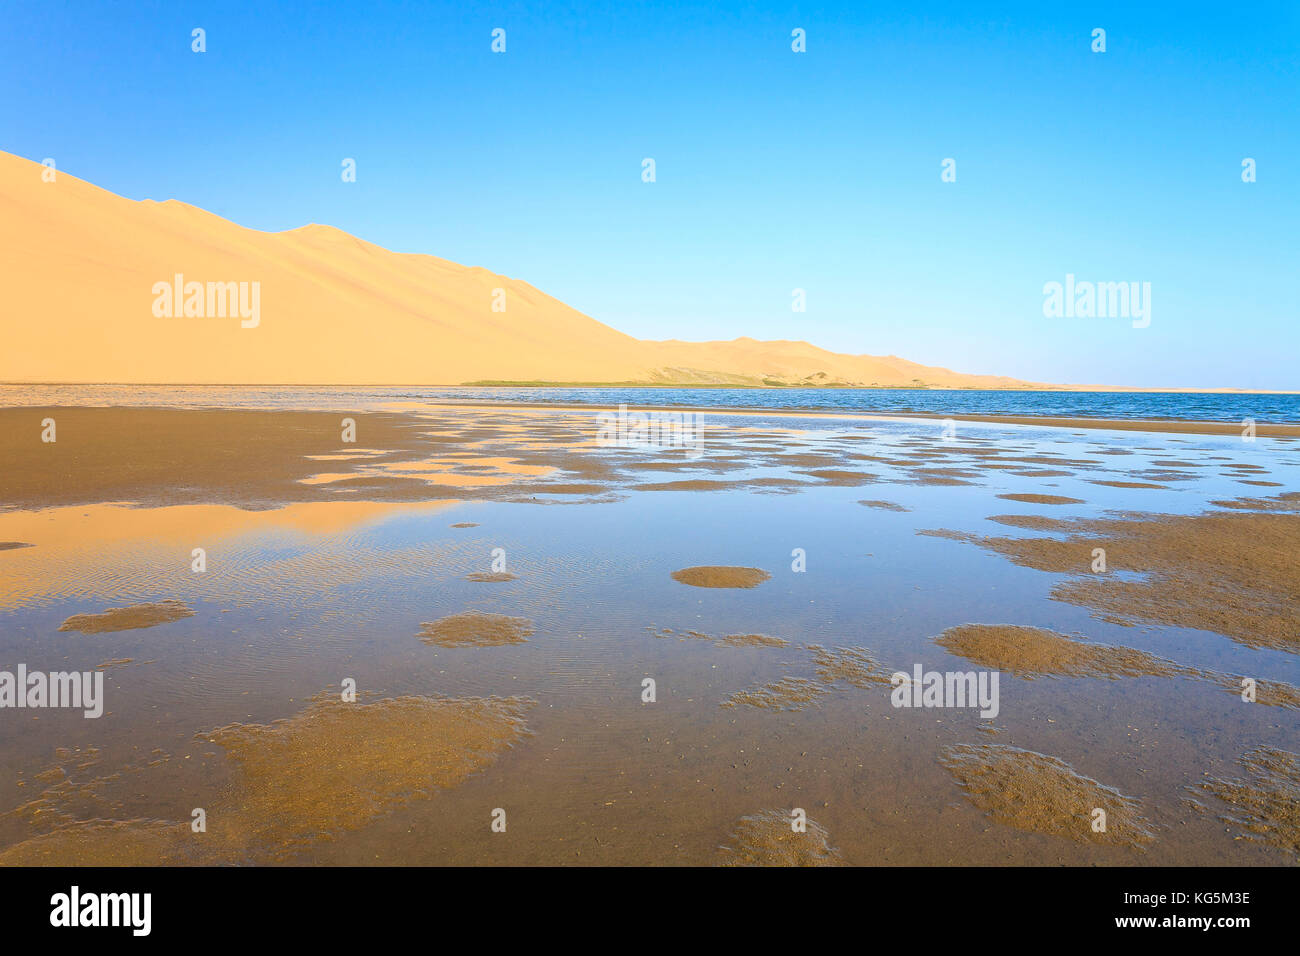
(80,266)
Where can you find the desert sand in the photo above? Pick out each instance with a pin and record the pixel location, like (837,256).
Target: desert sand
(81,264)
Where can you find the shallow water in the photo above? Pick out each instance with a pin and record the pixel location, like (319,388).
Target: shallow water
(297,599)
(1197,406)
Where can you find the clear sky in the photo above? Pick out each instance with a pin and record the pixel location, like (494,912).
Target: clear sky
(775,170)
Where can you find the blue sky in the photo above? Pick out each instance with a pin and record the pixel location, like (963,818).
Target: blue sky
(775,170)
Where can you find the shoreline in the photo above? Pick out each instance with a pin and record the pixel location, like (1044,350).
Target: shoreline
(489,383)
(1152,426)
(1173,426)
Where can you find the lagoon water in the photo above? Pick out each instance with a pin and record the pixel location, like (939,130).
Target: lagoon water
(1225,407)
(298,598)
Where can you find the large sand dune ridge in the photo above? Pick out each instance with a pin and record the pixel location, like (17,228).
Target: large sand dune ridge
(80,265)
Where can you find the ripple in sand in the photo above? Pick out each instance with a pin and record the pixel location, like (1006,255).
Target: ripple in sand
(1043,499)
(788,693)
(731,640)
(128,618)
(849,665)
(766,839)
(1267,804)
(11,545)
(109,843)
(1030,652)
(1040,794)
(476,629)
(719,576)
(852,665)
(752,640)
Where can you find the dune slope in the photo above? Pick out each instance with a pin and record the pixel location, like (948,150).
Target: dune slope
(80,266)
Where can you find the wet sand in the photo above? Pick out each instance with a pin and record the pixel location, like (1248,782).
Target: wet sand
(766,602)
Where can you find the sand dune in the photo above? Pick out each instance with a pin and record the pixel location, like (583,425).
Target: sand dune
(81,264)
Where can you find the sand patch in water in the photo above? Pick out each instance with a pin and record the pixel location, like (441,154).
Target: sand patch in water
(730,640)
(331,768)
(1043,499)
(852,665)
(109,843)
(1041,794)
(1234,573)
(476,629)
(1128,484)
(128,618)
(690,484)
(841,478)
(1032,522)
(767,839)
(1266,805)
(752,640)
(337,766)
(1288,501)
(883,505)
(786,693)
(720,576)
(1031,652)
(490,577)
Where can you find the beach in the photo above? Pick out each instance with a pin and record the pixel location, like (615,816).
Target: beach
(495,583)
